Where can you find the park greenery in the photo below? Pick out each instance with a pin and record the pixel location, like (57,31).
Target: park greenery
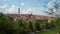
(54,11)
(9,26)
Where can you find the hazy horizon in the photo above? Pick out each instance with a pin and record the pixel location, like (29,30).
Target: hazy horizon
(26,6)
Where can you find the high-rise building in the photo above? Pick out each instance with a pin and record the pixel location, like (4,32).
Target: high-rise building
(18,10)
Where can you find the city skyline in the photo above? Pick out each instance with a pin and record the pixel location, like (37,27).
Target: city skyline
(26,6)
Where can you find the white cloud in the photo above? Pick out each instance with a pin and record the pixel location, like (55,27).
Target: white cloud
(22,4)
(10,10)
(50,4)
(34,11)
(4,6)
(14,10)
(29,10)
(26,11)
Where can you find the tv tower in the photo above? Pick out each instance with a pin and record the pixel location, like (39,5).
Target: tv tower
(18,10)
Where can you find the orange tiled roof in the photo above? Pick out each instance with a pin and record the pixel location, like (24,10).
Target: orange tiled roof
(25,16)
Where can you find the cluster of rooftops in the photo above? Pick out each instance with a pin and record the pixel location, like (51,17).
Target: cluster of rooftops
(29,16)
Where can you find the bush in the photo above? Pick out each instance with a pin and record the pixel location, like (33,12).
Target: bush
(51,25)
(42,26)
(37,25)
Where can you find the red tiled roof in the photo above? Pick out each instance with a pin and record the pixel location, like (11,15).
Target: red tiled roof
(25,16)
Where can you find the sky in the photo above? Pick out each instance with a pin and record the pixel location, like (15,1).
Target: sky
(26,6)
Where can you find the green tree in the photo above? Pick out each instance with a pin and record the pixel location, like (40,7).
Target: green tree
(42,26)
(55,12)
(31,26)
(26,26)
(6,25)
(19,26)
(37,25)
